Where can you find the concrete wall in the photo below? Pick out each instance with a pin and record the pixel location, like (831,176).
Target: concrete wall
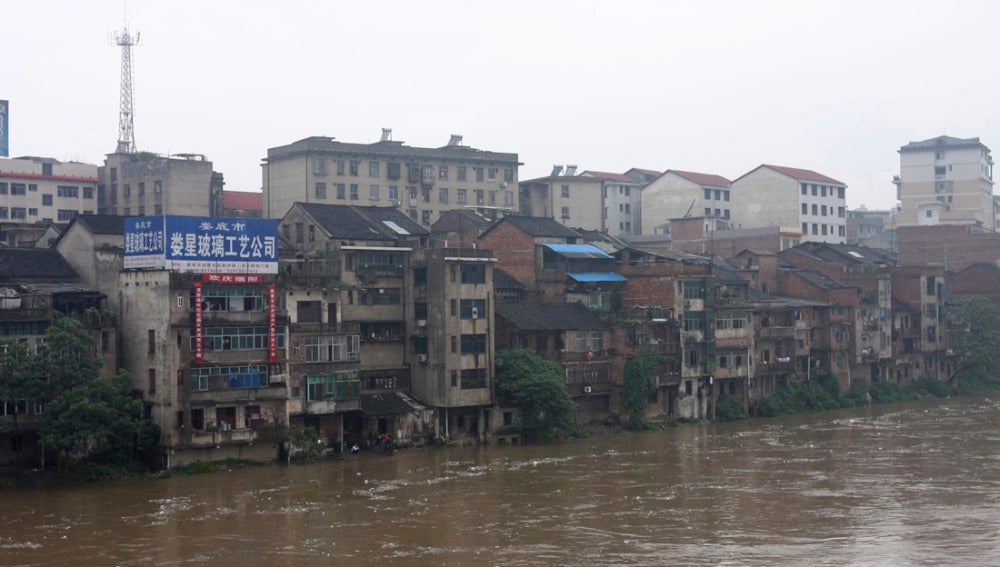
(667,197)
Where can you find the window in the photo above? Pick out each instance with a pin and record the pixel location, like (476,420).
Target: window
(299,232)
(565,191)
(341,191)
(694,321)
(708,211)
(473,273)
(337,386)
(312,233)
(151,378)
(691,358)
(473,378)
(142,189)
(337,348)
(157,189)
(815,228)
(420,276)
(442,172)
(443,194)
(731,321)
(373,169)
(67,191)
(425,217)
(379,296)
(815,210)
(460,173)
(508,198)
(939,170)
(237,298)
(354,166)
(822,191)
(321,190)
(628,209)
(340,167)
(814,192)
(492,173)
(64,215)
(822,210)
(840,192)
(840,230)
(493,198)
(823,231)
(425,194)
(581,341)
(394,193)
(565,212)
(694,290)
(319,166)
(725,196)
(597,340)
(473,309)
(479,197)
(151,341)
(239,338)
(473,344)
(33,212)
(354,191)
(718,195)
(840,212)
(373,192)
(508,175)
(479,173)
(460,196)
(3,188)
(17,189)
(420,310)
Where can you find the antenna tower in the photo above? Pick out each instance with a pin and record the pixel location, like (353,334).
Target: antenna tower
(126,137)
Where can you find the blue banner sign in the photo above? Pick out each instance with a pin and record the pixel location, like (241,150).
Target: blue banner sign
(202,244)
(4,128)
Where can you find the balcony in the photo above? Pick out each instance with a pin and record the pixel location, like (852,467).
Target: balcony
(348,328)
(776,333)
(25,314)
(227,395)
(592,356)
(774,368)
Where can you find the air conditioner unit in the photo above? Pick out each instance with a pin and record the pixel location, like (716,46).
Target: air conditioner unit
(587,389)
(421,322)
(475,312)
(687,304)
(503,184)
(422,358)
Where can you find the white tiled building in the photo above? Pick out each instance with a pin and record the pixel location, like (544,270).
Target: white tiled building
(36,189)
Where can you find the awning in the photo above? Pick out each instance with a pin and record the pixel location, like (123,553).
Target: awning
(598,277)
(388,403)
(578,251)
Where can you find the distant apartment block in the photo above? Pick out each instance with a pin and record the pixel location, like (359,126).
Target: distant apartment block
(35,189)
(680,194)
(946,180)
(791,199)
(591,200)
(423,183)
(139,184)
(864,224)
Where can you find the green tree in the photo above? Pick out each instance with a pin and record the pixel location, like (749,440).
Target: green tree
(639,386)
(977,345)
(99,420)
(538,388)
(23,380)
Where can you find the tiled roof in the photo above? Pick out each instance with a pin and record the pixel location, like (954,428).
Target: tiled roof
(242,201)
(803,174)
(390,149)
(621,177)
(540,227)
(362,223)
(31,263)
(549,316)
(944,142)
(703,179)
(102,224)
(503,280)
(649,172)
(820,280)
(389,403)
(479,219)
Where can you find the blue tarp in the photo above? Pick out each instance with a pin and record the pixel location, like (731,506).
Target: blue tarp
(598,277)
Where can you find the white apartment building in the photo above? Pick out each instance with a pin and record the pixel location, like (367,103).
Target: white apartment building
(423,183)
(945,180)
(677,194)
(792,199)
(34,189)
(622,202)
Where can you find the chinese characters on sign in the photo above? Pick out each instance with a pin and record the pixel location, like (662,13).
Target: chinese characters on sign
(199,343)
(272,330)
(202,244)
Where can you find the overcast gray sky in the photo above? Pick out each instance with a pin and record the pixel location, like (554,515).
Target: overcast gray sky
(716,87)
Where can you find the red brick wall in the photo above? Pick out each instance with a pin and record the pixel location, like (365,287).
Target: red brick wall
(951,246)
(514,250)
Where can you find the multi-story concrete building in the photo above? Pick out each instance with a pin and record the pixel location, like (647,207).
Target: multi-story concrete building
(945,180)
(424,183)
(592,200)
(141,184)
(864,224)
(792,199)
(622,197)
(43,190)
(678,194)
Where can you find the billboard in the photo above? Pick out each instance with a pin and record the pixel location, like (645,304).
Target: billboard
(4,128)
(202,244)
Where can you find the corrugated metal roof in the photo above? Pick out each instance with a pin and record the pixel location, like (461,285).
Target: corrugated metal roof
(598,277)
(577,250)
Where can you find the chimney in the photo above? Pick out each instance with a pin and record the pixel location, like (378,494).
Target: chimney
(556,170)
(456,140)
(570,170)
(386,135)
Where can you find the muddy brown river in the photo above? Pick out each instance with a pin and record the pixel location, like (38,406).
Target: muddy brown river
(909,484)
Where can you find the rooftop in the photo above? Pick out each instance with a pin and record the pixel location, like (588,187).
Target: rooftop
(606,176)
(703,179)
(946,142)
(242,201)
(388,149)
(363,223)
(549,316)
(539,226)
(798,174)
(32,263)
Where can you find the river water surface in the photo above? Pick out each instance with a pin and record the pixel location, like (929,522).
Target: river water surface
(909,484)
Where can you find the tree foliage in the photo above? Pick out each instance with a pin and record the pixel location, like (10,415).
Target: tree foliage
(977,345)
(639,386)
(538,388)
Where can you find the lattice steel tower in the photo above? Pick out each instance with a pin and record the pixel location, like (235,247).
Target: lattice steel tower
(126,137)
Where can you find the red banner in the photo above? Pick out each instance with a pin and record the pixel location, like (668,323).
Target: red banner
(233,278)
(272,329)
(199,343)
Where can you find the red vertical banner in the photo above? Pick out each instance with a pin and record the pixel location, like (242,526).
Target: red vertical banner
(272,328)
(199,343)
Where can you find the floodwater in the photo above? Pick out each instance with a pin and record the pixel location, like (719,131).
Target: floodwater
(909,484)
